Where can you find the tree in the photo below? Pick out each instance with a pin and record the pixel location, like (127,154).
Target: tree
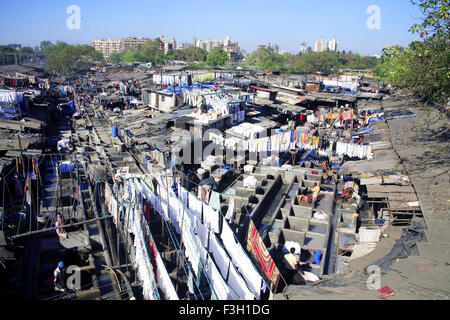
(66,58)
(26,50)
(151,51)
(115,57)
(217,57)
(436,22)
(45,44)
(132,56)
(190,54)
(423,67)
(267,58)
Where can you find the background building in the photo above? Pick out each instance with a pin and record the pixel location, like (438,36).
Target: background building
(108,47)
(321,45)
(303,48)
(15,46)
(333,45)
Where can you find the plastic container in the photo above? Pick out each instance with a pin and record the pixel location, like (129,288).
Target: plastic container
(115,132)
(316,257)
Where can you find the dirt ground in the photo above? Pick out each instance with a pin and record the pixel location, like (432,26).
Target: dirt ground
(422,144)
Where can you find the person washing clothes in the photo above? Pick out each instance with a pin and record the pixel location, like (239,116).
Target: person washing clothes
(316,191)
(59,277)
(291,263)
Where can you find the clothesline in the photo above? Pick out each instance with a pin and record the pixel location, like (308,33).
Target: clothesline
(198,246)
(23,81)
(291,139)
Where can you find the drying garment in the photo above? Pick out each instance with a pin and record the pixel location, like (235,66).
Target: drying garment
(201,77)
(114,213)
(312,119)
(220,75)
(231,210)
(202,233)
(153,254)
(262,258)
(108,198)
(237,283)
(214,201)
(322,117)
(172,80)
(175,208)
(228,271)
(144,272)
(220,256)
(164,280)
(275,143)
(241,260)
(196,206)
(8,97)
(220,287)
(211,218)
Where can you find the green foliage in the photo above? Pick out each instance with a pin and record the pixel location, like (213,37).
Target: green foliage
(265,57)
(217,57)
(65,58)
(190,54)
(45,44)
(115,57)
(197,66)
(436,22)
(423,67)
(25,51)
(325,62)
(6,50)
(150,51)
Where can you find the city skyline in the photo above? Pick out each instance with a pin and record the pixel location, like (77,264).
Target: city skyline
(302,22)
(110,46)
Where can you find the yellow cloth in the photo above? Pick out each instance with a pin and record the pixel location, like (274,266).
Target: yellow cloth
(316,191)
(203,77)
(316,141)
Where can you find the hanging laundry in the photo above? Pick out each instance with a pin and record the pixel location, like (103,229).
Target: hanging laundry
(262,257)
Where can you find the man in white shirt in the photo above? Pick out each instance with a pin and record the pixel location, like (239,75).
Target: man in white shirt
(291,263)
(59,276)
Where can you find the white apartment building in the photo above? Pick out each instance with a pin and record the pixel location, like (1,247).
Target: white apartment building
(321,45)
(333,45)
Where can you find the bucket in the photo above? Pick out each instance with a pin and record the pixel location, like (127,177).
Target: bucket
(316,257)
(114,132)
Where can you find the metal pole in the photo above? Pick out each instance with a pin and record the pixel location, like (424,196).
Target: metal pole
(54,228)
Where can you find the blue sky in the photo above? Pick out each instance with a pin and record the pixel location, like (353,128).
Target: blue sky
(284,22)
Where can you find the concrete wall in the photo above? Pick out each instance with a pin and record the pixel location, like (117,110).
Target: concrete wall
(167,101)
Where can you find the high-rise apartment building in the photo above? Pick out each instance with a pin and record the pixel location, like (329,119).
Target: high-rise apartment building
(108,47)
(333,45)
(303,48)
(321,45)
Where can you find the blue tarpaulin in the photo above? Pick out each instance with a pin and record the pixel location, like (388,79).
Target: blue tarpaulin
(375,119)
(69,108)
